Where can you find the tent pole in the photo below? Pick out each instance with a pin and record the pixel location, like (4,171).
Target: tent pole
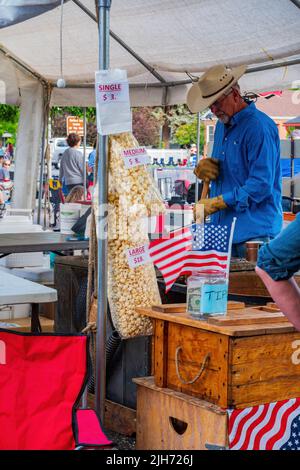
(103,7)
(42,158)
(198,156)
(84,151)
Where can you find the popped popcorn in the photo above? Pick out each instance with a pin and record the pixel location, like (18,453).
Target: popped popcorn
(133,197)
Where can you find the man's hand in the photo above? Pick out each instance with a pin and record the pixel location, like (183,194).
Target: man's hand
(210,206)
(207,169)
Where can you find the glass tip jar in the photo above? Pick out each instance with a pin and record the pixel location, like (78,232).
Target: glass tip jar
(207,293)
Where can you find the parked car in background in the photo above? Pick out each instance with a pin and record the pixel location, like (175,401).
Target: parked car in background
(57,147)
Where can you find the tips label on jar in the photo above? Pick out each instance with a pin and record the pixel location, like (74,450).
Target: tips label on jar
(214,299)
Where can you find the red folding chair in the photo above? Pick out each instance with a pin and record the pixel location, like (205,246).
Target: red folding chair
(42,379)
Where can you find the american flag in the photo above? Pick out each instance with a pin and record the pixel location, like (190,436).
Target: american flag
(192,248)
(274,426)
(169,254)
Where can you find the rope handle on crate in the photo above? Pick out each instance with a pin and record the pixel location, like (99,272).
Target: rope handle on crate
(198,375)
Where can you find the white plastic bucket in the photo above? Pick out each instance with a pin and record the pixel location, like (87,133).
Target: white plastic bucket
(69,214)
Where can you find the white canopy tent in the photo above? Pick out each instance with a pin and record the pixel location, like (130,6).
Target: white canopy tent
(170,38)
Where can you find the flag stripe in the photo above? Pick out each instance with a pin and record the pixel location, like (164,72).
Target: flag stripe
(237,441)
(190,259)
(260,432)
(168,269)
(287,432)
(255,428)
(235,418)
(250,423)
(177,234)
(269,429)
(158,257)
(281,423)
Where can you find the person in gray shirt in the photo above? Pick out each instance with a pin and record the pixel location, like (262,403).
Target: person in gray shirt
(72,163)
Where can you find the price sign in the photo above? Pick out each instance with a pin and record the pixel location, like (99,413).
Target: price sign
(138,256)
(135,157)
(113,92)
(112,102)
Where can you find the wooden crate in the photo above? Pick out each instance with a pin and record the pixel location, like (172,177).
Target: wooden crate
(245,356)
(248,283)
(169,420)
(70,279)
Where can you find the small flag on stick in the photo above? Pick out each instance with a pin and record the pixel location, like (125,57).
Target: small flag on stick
(193,248)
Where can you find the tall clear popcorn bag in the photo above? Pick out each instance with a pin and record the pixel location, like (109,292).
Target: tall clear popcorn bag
(133,197)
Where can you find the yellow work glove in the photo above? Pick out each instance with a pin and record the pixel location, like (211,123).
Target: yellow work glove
(207,169)
(206,207)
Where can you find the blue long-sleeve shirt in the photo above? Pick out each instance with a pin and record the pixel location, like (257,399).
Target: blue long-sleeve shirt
(250,177)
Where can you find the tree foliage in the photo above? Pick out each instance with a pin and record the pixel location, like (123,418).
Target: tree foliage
(146,126)
(146,122)
(9,113)
(186,134)
(73,111)
(9,118)
(58,116)
(183,125)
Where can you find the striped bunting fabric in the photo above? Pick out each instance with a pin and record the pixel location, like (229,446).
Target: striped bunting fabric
(273,426)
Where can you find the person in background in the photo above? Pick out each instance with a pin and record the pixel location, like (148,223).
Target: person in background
(72,164)
(277,263)
(6,184)
(91,163)
(76,194)
(9,150)
(193,155)
(2,205)
(5,180)
(245,164)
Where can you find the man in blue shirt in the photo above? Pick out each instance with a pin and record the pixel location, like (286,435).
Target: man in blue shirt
(245,163)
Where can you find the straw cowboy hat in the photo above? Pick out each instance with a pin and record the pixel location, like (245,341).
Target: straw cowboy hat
(211,86)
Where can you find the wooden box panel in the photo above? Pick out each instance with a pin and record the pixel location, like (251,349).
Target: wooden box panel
(169,420)
(263,369)
(196,346)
